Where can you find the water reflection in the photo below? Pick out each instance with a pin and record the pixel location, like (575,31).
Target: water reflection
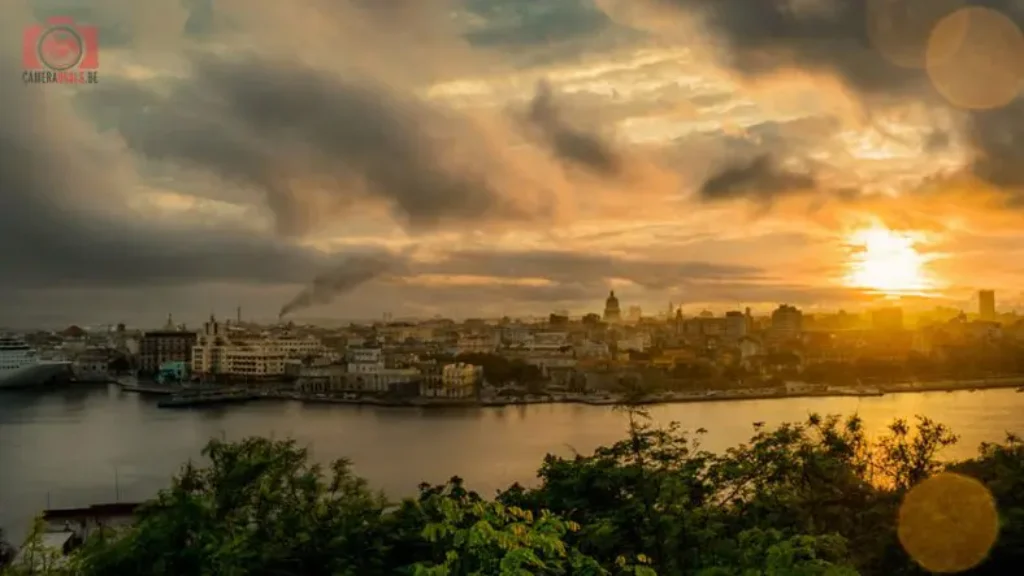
(67,444)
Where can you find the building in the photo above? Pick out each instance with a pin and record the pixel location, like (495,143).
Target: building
(461,380)
(167,345)
(216,355)
(639,342)
(319,379)
(735,325)
(477,343)
(92,365)
(208,354)
(612,313)
(787,323)
(368,372)
(887,319)
(173,372)
(987,305)
(636,314)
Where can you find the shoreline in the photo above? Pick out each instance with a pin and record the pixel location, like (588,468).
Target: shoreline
(593,400)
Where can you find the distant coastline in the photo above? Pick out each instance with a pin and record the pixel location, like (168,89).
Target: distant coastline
(607,399)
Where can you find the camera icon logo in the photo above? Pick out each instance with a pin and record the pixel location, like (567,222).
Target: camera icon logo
(60,45)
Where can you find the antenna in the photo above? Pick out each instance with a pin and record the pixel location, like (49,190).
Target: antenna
(117,485)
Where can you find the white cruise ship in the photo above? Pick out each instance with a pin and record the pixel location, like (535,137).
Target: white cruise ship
(21,367)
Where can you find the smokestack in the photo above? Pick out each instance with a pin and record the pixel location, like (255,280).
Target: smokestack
(238,315)
(354,272)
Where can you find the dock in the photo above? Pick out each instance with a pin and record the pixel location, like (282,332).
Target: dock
(149,388)
(193,399)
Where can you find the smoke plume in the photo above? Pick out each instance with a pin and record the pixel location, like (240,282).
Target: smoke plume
(354,272)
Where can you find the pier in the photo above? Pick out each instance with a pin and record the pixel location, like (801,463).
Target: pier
(193,398)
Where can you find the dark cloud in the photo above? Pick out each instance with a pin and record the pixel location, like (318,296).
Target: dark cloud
(827,36)
(124,23)
(63,218)
(312,142)
(761,178)
(515,23)
(581,268)
(877,48)
(998,138)
(568,142)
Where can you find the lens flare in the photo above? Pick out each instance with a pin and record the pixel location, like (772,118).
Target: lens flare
(948,523)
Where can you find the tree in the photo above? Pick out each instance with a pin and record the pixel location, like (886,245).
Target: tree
(260,507)
(471,536)
(7,551)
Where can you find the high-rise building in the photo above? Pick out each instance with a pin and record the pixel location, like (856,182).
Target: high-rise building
(159,347)
(787,323)
(987,305)
(735,325)
(612,313)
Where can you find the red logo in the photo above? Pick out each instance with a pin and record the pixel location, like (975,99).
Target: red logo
(60,52)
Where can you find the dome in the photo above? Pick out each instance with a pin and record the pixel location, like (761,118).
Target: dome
(612,299)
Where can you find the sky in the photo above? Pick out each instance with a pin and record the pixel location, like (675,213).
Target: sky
(344,159)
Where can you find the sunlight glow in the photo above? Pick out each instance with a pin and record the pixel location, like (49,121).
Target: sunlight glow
(888,262)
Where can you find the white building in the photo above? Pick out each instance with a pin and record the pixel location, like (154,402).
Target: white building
(216,354)
(461,380)
(367,371)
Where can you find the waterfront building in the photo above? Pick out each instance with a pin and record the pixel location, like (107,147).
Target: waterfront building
(218,353)
(612,313)
(368,372)
(170,344)
(318,379)
(174,372)
(92,365)
(431,378)
(461,380)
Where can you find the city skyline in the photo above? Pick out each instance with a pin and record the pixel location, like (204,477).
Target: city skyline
(472,166)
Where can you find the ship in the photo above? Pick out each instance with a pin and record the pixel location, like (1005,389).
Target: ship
(21,366)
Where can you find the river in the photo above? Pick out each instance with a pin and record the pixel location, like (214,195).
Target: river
(91,445)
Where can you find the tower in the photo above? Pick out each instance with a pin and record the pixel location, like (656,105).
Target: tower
(987,305)
(612,313)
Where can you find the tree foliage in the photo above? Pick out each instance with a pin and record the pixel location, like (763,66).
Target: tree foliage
(818,498)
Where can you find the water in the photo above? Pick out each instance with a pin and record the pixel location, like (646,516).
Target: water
(92,445)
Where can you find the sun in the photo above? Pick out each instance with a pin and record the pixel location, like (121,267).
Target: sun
(888,262)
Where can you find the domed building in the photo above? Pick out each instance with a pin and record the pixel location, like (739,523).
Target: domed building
(612,313)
